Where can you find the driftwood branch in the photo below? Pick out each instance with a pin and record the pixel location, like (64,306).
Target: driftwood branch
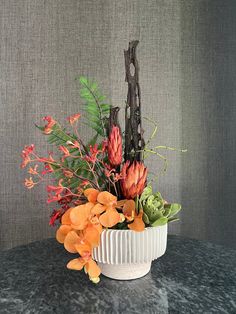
(113,117)
(134,142)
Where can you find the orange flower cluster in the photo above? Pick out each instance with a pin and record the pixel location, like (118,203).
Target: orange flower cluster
(82,226)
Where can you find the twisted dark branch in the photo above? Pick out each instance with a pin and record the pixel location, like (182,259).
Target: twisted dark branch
(134,141)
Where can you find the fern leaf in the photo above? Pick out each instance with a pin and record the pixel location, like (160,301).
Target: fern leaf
(94,106)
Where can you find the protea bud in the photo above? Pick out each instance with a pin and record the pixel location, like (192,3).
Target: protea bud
(133,180)
(115,146)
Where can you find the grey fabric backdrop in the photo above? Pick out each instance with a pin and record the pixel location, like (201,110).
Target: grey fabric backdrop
(188,68)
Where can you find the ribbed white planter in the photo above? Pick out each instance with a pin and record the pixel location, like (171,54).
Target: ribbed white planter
(126,254)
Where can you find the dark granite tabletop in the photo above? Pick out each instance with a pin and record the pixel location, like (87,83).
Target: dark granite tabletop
(192,277)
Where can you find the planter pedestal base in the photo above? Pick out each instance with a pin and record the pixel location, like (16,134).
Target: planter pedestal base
(127,254)
(125,271)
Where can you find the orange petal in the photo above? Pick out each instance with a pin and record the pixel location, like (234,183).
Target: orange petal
(83,248)
(76,264)
(121,203)
(79,215)
(138,224)
(94,220)
(71,239)
(92,269)
(106,198)
(110,218)
(98,226)
(92,235)
(65,220)
(80,226)
(98,209)
(129,209)
(62,232)
(91,194)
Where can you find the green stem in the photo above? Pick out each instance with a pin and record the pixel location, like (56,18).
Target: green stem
(159,155)
(153,133)
(171,148)
(137,204)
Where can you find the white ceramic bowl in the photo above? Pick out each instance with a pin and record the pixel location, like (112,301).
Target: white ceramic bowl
(126,254)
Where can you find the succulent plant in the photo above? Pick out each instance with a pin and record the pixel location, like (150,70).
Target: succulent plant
(156,211)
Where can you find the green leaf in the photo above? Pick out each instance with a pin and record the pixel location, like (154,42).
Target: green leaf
(92,110)
(146,193)
(74,183)
(105,108)
(84,93)
(145,219)
(94,106)
(175,208)
(121,226)
(96,127)
(167,212)
(83,80)
(172,219)
(41,128)
(160,222)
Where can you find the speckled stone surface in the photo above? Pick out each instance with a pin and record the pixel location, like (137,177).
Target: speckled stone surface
(192,277)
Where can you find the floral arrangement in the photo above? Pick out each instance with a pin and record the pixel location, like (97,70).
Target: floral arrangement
(98,184)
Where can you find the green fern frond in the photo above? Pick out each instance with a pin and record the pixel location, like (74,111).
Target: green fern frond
(96,110)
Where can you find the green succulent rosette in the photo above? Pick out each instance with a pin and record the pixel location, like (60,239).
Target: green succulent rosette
(156,212)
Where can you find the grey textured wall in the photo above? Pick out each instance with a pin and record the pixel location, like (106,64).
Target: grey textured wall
(186,54)
(208,95)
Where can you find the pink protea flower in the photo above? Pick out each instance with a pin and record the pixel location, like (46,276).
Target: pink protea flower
(134,177)
(115,146)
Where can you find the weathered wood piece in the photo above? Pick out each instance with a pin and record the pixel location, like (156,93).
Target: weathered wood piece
(113,118)
(134,142)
